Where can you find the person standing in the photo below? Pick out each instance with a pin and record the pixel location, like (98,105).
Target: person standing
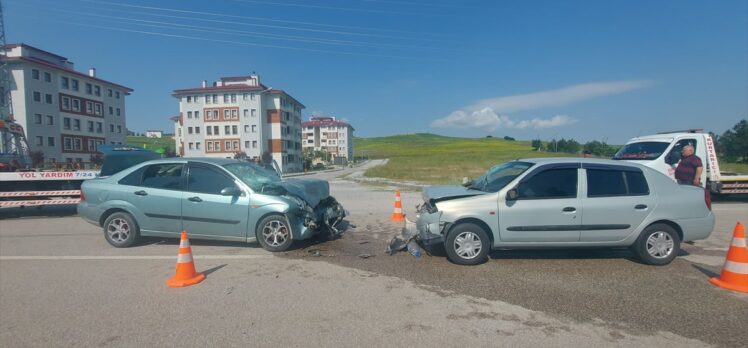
(689,169)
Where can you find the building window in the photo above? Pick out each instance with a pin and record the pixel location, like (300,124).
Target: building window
(246,144)
(89,107)
(119,129)
(34,74)
(233,98)
(77,144)
(65,103)
(227,146)
(234,130)
(254,112)
(48,98)
(89,88)
(254,144)
(235,114)
(109,92)
(90,126)
(245,96)
(39,140)
(209,130)
(197,130)
(215,130)
(215,99)
(75,85)
(254,128)
(76,124)
(207,99)
(197,113)
(50,120)
(236,145)
(189,99)
(226,114)
(38,118)
(215,114)
(99,127)
(252,96)
(225,98)
(97,109)
(111,110)
(76,105)
(189,114)
(119,112)
(37,97)
(91,145)
(191,145)
(227,130)
(246,128)
(217,146)
(47,77)
(51,141)
(111,128)
(197,145)
(67,143)
(66,123)
(65,82)
(116,94)
(246,112)
(189,130)
(210,145)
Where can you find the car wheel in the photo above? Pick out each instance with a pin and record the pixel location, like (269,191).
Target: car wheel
(121,230)
(467,244)
(658,244)
(274,233)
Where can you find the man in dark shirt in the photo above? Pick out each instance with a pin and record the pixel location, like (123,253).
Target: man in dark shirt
(689,168)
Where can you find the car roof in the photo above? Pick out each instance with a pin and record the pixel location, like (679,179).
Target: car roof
(552,160)
(211,160)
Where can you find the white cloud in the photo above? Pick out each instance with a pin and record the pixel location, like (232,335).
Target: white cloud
(487,113)
(488,119)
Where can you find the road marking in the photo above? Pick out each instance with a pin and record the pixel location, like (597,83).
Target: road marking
(133,257)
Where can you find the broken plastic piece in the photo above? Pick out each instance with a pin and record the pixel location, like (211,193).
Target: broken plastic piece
(414,249)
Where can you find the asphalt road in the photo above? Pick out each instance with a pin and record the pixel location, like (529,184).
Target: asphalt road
(61,284)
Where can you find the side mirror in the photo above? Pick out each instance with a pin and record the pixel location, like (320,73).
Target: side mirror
(512,194)
(466,181)
(230,191)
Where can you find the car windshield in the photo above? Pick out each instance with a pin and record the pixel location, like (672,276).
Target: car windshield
(643,151)
(499,176)
(256,177)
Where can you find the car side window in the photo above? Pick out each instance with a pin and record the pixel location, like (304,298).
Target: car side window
(163,176)
(206,180)
(549,184)
(611,182)
(134,178)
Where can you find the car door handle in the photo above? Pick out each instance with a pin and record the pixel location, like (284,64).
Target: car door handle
(195,199)
(640,207)
(569,210)
(141,193)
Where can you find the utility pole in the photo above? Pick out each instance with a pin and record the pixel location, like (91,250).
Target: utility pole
(13,146)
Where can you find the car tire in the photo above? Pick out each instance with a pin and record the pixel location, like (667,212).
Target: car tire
(274,233)
(658,245)
(467,244)
(121,230)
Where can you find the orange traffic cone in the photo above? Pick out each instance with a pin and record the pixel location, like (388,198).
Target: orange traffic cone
(186,274)
(397,215)
(735,272)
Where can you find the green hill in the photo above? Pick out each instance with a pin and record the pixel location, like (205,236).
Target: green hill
(431,158)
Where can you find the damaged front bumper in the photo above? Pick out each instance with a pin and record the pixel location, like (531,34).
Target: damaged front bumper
(327,215)
(428,228)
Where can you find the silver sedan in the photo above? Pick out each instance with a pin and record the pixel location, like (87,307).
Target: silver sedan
(564,202)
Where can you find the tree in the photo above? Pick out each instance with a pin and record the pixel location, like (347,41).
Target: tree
(734,142)
(506,137)
(537,145)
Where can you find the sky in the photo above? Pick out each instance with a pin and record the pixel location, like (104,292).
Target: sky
(588,70)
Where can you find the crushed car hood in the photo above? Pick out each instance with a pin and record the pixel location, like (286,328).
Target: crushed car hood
(310,190)
(443,193)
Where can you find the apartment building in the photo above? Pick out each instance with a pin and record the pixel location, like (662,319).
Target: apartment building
(239,115)
(330,135)
(66,114)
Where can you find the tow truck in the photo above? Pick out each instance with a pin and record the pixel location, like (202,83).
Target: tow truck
(662,151)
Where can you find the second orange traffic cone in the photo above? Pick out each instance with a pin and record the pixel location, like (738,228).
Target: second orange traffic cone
(397,215)
(734,274)
(185,275)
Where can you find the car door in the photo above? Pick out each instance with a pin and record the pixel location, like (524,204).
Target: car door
(156,191)
(617,201)
(547,207)
(207,212)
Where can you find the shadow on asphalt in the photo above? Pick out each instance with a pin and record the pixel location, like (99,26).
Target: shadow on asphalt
(40,211)
(211,270)
(706,272)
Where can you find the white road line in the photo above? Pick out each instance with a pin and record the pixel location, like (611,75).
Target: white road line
(134,257)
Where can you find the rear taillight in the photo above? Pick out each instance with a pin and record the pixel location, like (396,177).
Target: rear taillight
(707,199)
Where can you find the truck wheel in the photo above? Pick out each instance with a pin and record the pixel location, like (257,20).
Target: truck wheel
(121,230)
(467,244)
(274,233)
(657,245)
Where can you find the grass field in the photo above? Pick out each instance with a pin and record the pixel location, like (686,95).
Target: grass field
(430,158)
(151,143)
(734,167)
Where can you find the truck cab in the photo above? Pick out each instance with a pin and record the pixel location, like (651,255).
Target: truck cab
(662,152)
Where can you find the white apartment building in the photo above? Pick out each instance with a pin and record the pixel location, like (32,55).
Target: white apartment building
(66,114)
(330,135)
(239,114)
